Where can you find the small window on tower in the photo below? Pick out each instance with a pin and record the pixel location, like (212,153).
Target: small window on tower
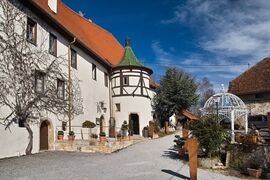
(125,80)
(118,107)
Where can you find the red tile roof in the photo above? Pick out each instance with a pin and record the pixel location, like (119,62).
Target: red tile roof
(190,116)
(254,80)
(100,41)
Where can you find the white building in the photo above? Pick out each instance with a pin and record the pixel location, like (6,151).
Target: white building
(111,89)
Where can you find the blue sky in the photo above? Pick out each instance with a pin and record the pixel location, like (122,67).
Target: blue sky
(207,38)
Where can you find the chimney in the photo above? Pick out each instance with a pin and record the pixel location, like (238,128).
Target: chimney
(53,5)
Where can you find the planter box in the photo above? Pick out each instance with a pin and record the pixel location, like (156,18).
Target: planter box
(254,172)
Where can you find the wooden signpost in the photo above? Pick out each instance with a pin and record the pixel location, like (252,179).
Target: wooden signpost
(192,144)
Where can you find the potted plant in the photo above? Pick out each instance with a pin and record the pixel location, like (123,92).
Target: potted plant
(94,136)
(88,124)
(124,129)
(71,136)
(60,135)
(119,137)
(102,137)
(252,137)
(255,170)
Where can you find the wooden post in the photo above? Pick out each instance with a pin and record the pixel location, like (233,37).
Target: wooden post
(185,135)
(268,121)
(193,160)
(151,129)
(166,127)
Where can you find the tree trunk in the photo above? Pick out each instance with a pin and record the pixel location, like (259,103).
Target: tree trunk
(29,148)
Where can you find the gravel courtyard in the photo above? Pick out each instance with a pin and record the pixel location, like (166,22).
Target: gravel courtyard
(148,160)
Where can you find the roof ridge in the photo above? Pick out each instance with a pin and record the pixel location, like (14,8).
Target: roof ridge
(251,68)
(85,19)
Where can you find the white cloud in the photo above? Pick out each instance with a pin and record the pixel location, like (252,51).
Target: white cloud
(231,31)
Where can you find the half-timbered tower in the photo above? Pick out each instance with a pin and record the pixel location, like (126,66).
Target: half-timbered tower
(131,92)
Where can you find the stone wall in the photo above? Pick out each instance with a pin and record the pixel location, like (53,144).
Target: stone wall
(258,107)
(242,155)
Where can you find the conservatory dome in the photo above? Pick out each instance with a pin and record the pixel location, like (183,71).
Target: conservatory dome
(224,101)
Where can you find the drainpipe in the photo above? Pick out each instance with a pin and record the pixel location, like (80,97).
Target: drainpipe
(69,84)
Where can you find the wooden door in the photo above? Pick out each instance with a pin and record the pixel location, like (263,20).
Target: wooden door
(135,123)
(44,138)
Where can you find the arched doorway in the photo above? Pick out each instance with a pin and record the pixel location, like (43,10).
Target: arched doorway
(46,137)
(134,123)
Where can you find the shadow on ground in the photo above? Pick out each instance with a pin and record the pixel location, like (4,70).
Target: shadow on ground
(174,174)
(172,153)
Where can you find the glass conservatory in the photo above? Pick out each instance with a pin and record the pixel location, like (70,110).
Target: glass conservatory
(231,111)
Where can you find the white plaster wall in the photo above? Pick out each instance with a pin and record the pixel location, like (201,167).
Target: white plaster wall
(14,141)
(129,104)
(93,91)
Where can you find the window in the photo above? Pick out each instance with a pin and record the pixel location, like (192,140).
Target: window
(125,80)
(73,58)
(64,126)
(106,79)
(60,89)
(94,72)
(31,31)
(259,96)
(53,45)
(118,107)
(39,82)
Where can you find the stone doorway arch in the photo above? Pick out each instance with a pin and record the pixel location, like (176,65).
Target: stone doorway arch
(46,137)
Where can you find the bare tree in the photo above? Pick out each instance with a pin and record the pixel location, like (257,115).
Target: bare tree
(31,81)
(205,90)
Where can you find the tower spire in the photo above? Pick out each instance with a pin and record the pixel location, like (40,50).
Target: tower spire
(127,42)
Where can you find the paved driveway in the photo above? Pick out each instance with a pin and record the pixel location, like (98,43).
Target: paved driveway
(146,161)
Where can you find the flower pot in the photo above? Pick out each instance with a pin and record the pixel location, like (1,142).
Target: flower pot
(71,137)
(119,139)
(252,139)
(102,139)
(60,137)
(255,172)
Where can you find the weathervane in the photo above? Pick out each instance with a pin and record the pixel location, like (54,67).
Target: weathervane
(127,41)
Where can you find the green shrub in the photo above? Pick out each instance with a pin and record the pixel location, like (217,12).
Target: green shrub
(124,126)
(88,124)
(94,136)
(102,134)
(209,133)
(71,133)
(60,133)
